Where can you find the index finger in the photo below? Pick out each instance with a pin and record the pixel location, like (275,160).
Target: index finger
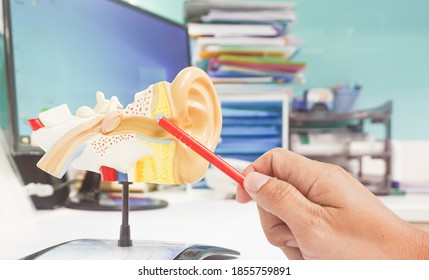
(242,196)
(288,166)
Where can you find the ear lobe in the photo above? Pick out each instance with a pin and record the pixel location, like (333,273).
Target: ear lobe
(196,109)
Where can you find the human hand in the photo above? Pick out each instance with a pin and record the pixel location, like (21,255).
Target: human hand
(315,210)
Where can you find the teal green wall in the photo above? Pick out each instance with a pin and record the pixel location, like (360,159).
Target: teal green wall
(172,9)
(384,44)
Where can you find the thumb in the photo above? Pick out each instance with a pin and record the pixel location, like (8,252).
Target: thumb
(278,197)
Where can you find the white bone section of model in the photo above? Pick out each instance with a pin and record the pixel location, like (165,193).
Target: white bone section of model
(120,152)
(125,149)
(103,106)
(57,122)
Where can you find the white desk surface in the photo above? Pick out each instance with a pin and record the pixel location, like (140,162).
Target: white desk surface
(194,217)
(410,207)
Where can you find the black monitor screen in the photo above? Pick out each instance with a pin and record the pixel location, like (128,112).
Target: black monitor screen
(63,51)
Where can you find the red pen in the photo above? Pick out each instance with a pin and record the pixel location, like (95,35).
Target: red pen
(186,139)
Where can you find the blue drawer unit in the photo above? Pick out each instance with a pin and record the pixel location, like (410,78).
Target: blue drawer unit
(252,126)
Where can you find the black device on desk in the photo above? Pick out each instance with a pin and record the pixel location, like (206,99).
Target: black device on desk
(91,198)
(64,51)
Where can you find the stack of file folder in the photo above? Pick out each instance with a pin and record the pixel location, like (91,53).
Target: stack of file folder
(249,53)
(244,42)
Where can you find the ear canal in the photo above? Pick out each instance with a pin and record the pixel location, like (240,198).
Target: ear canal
(195,109)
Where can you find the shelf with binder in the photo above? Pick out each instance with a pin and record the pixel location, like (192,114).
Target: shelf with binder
(244,42)
(342,137)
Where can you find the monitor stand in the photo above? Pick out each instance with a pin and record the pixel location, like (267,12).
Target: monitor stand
(125,248)
(91,198)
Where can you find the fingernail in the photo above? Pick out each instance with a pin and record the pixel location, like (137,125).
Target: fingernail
(254,181)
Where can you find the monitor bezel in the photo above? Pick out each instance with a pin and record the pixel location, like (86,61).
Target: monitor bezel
(16,147)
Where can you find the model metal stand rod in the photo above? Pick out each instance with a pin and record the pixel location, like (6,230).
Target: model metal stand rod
(125,231)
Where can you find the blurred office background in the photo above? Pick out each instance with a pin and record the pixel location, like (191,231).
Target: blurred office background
(383,44)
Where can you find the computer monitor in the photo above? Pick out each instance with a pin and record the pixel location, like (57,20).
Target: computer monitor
(64,51)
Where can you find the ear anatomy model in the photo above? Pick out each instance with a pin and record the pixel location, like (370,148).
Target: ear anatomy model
(126,144)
